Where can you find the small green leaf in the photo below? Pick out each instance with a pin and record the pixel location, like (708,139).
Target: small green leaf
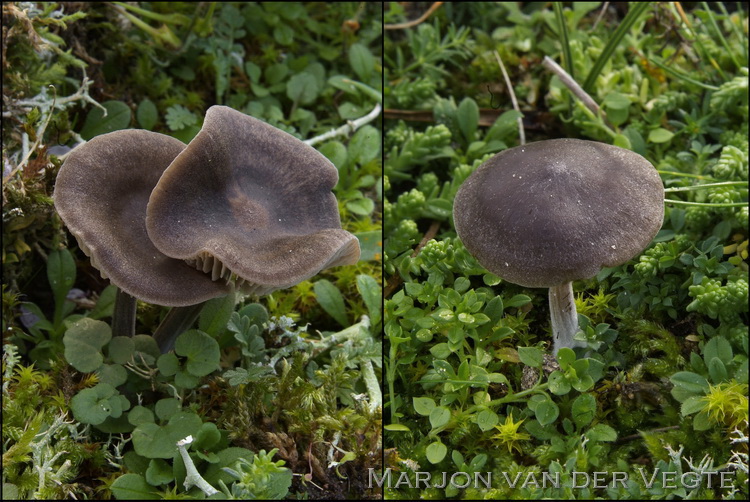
(330,298)
(440,350)
(215,315)
(133,487)
(364,145)
(689,381)
(147,115)
(120,349)
(602,432)
(423,405)
(467,117)
(518,301)
(335,151)
(372,295)
(159,472)
(208,436)
(201,351)
(660,135)
(397,428)
(436,452)
(166,407)
(439,416)
(583,410)
(487,419)
(140,415)
(302,88)
(168,364)
(558,384)
(361,60)
(546,412)
(94,405)
(83,343)
(716,370)
(566,357)
(718,347)
(530,356)
(118,117)
(61,273)
(692,405)
(113,374)
(150,441)
(362,206)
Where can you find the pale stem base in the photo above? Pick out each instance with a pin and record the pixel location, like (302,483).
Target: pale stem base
(564,317)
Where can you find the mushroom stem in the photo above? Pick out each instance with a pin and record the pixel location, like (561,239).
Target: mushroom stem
(564,317)
(175,323)
(123,317)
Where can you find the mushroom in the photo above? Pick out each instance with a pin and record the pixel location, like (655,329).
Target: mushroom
(101,193)
(548,213)
(251,205)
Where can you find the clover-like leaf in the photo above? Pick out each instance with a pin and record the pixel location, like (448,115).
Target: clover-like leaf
(94,405)
(83,343)
(201,351)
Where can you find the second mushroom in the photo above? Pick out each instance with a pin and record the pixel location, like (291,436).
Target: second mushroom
(546,214)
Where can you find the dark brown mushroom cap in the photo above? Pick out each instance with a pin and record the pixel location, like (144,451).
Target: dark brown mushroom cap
(101,193)
(556,211)
(246,200)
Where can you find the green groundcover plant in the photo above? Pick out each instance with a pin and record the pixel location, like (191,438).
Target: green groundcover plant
(661,387)
(262,398)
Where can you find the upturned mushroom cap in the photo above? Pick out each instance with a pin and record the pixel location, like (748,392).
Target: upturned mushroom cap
(251,203)
(101,193)
(559,210)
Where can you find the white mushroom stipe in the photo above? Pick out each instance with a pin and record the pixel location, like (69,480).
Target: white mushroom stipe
(563,316)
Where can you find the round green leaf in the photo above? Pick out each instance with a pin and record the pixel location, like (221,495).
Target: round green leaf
(439,416)
(660,135)
(335,151)
(113,374)
(436,452)
(140,415)
(558,384)
(83,343)
(423,405)
(546,412)
(166,407)
(146,114)
(602,432)
(530,356)
(302,88)
(201,351)
(118,117)
(361,60)
(121,349)
(583,410)
(151,441)
(487,419)
(133,487)
(159,472)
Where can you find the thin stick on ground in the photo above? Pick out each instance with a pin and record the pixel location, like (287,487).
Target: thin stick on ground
(521,132)
(420,19)
(347,128)
(575,88)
